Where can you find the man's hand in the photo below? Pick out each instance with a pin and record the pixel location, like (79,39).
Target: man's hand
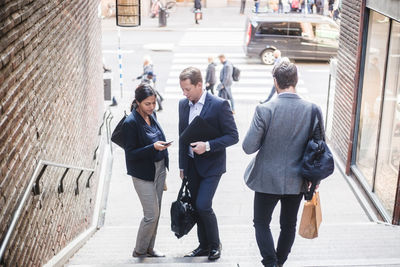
(310,184)
(181,174)
(198,147)
(207,84)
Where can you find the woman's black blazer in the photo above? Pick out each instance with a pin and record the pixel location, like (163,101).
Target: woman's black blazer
(139,149)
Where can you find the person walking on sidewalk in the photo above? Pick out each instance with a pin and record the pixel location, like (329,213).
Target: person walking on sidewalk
(197,11)
(146,159)
(210,75)
(203,163)
(242,6)
(277,56)
(225,77)
(256,5)
(278,133)
(149,77)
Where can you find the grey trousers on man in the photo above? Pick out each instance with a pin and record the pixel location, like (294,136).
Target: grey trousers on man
(150,195)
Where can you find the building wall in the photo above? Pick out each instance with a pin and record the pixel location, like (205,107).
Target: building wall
(347,79)
(51,106)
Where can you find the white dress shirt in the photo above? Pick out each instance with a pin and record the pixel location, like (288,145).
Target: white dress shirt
(194,111)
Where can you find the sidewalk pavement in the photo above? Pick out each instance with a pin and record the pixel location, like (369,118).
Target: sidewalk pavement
(347,237)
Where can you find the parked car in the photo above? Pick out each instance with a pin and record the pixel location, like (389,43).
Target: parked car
(298,36)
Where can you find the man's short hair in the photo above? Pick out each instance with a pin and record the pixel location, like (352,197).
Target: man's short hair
(193,74)
(285,74)
(222,56)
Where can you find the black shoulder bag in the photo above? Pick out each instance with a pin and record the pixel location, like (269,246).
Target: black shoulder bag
(117,135)
(318,161)
(183,215)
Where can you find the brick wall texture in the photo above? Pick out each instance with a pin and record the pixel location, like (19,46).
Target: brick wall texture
(51,108)
(346,82)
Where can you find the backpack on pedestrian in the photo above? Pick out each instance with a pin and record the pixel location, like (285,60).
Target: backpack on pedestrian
(236,74)
(295,3)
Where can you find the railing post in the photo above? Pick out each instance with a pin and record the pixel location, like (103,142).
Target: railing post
(77,184)
(88,180)
(36,186)
(61,184)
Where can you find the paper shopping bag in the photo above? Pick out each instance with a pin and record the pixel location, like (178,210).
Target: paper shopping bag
(311,218)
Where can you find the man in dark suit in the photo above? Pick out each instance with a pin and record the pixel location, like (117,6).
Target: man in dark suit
(203,162)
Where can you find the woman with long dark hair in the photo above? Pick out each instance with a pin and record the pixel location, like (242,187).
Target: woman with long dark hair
(146,161)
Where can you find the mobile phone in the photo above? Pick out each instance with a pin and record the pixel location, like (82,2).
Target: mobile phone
(167,143)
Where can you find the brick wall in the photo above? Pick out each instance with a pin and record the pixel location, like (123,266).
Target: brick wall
(51,106)
(347,79)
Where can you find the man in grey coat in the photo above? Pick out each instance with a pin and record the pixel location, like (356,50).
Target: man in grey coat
(210,75)
(225,77)
(279,133)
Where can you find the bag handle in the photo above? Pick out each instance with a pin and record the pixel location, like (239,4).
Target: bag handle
(183,189)
(316,114)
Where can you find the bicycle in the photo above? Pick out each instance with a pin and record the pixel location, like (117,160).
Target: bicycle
(169,7)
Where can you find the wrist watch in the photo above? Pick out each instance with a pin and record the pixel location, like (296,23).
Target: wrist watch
(207,146)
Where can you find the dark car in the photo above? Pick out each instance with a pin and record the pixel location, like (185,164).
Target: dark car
(297,36)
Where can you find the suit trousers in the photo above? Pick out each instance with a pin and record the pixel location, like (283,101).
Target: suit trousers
(264,205)
(150,195)
(203,190)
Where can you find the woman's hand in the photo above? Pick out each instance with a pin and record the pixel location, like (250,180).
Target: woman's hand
(161,145)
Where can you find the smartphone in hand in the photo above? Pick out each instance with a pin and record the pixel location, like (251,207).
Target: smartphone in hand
(167,143)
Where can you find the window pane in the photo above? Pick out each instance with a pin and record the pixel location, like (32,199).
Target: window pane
(371,94)
(389,144)
(277,28)
(295,29)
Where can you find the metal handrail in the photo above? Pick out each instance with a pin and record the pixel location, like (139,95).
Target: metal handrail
(33,186)
(38,173)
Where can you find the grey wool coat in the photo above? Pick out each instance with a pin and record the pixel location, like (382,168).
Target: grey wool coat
(278,133)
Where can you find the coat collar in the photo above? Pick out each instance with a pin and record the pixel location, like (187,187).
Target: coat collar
(289,96)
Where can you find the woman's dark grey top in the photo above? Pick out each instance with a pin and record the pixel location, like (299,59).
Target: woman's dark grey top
(154,134)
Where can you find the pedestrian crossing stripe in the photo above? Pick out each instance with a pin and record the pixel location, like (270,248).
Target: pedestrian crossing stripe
(255,61)
(215,30)
(254,81)
(212,38)
(237,90)
(240,66)
(205,55)
(243,74)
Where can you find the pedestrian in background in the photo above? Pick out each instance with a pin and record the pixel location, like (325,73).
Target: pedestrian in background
(330,7)
(278,133)
(280,6)
(146,159)
(242,6)
(310,6)
(320,6)
(197,11)
(203,163)
(225,77)
(256,5)
(210,75)
(277,56)
(149,77)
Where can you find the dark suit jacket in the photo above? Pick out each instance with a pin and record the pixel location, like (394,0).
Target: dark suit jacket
(217,113)
(210,74)
(139,149)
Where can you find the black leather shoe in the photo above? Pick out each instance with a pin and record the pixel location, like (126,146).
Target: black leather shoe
(198,252)
(215,254)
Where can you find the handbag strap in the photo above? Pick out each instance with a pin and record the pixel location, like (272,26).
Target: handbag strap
(316,114)
(184,188)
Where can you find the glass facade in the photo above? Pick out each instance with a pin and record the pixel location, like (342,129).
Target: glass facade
(389,142)
(378,140)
